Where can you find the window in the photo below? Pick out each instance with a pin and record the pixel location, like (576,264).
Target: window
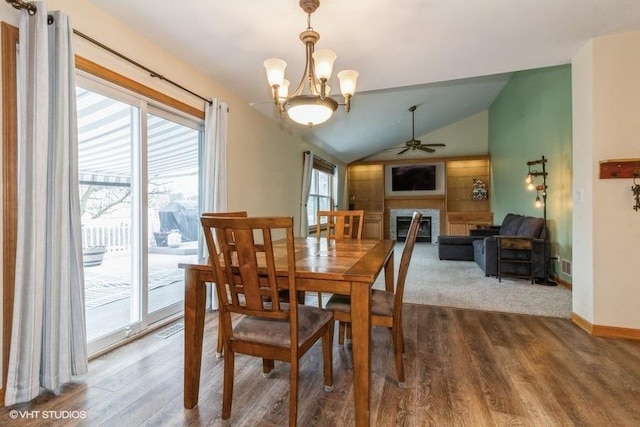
(321,194)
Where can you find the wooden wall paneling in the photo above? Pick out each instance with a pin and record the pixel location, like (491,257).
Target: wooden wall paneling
(366,183)
(460,176)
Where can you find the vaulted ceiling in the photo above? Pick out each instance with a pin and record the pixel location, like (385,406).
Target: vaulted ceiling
(450,57)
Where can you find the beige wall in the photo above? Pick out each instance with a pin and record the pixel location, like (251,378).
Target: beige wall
(264,158)
(606,89)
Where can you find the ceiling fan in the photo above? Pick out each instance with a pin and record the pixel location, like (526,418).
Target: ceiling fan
(414,143)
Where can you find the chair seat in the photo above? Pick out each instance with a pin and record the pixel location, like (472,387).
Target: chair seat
(381,303)
(277,332)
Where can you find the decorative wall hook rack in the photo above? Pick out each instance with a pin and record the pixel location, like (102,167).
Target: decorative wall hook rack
(622,168)
(635,189)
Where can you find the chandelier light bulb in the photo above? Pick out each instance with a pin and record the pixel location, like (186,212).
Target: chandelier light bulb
(531,187)
(538,203)
(283,90)
(275,71)
(529,179)
(348,79)
(323,60)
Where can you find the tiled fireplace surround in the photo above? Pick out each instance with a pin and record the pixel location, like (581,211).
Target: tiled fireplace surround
(433,213)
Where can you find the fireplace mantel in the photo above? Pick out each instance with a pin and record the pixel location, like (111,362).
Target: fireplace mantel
(433,213)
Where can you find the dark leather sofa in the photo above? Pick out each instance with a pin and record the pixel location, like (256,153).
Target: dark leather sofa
(482,247)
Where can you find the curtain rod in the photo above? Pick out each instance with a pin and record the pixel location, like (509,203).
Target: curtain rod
(137,64)
(31,9)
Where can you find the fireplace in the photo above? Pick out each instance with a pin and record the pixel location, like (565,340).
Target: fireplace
(424,229)
(433,215)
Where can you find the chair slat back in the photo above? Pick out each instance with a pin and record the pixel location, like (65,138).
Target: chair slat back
(407,251)
(341,224)
(248,268)
(239,214)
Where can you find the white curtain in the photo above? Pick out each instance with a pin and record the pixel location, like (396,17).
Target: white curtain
(307,173)
(48,339)
(214,169)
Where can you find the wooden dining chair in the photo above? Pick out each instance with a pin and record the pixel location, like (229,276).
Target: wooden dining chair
(339,225)
(240,214)
(247,285)
(386,307)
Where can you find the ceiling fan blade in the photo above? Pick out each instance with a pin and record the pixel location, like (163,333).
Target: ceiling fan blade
(434,145)
(427,149)
(259,103)
(404,150)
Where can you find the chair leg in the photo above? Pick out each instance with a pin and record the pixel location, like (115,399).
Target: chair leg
(219,347)
(341,332)
(327,356)
(320,299)
(227,395)
(267,367)
(398,346)
(293,392)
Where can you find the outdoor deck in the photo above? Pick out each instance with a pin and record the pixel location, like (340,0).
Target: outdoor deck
(108,286)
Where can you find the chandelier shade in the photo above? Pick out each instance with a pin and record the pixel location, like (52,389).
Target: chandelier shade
(310,110)
(323,60)
(275,71)
(310,104)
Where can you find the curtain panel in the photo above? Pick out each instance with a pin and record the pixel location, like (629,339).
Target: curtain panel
(214,170)
(48,338)
(307,173)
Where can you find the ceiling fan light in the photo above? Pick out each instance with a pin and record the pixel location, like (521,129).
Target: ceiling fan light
(348,79)
(323,61)
(275,71)
(310,110)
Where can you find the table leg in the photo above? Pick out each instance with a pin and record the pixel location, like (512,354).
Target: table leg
(194,308)
(388,274)
(361,342)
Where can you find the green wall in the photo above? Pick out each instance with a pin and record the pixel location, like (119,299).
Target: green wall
(531,118)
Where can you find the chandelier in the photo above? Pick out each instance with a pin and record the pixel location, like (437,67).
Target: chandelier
(310,104)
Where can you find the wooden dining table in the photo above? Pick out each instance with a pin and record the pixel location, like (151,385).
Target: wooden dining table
(333,266)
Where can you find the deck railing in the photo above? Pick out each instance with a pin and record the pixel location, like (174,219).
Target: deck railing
(116,237)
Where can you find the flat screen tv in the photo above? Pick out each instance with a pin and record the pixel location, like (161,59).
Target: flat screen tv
(413,178)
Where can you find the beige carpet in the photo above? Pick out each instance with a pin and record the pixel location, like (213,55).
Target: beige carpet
(462,284)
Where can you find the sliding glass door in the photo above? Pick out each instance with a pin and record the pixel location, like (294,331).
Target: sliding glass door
(173,214)
(138,173)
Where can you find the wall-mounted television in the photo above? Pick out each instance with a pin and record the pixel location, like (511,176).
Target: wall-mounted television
(415,179)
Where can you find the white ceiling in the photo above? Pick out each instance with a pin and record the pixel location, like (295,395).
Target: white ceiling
(450,57)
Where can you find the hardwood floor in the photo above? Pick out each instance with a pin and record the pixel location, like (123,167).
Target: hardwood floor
(463,367)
